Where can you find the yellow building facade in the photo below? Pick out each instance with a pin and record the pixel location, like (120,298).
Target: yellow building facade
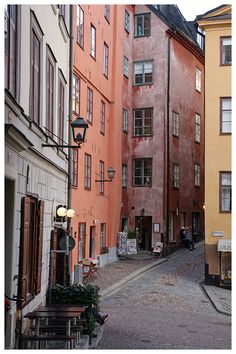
(216,24)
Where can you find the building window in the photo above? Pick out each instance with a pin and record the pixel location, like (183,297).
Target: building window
(62,11)
(50,92)
(61,110)
(35,76)
(124,175)
(90,105)
(125,120)
(76,94)
(198,79)
(103,236)
(200,37)
(101,177)
(127,21)
(93,41)
(142,25)
(126,66)
(142,172)
(80,26)
(197,175)
(30,263)
(11,31)
(197,128)
(143,73)
(225,50)
(75,167)
(102,118)
(225,114)
(107,12)
(143,122)
(81,243)
(105,60)
(225,191)
(175,176)
(175,124)
(87,171)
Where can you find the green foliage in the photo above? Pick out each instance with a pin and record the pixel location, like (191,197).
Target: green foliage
(131,234)
(79,294)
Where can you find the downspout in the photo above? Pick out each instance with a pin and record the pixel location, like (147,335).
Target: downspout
(168,142)
(71,56)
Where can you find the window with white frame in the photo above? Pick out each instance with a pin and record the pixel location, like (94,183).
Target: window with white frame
(143,73)
(93,41)
(198,79)
(87,171)
(101,177)
(127,21)
(225,50)
(102,118)
(107,12)
(105,60)
(175,123)
(50,92)
(89,105)
(11,47)
(80,26)
(126,66)
(124,175)
(76,94)
(197,175)
(226,115)
(225,192)
(142,25)
(142,172)
(143,122)
(197,128)
(75,167)
(125,120)
(61,108)
(175,175)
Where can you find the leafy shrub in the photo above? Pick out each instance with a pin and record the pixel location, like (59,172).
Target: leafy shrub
(79,294)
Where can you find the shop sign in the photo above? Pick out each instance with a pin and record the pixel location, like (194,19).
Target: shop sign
(224,246)
(218,233)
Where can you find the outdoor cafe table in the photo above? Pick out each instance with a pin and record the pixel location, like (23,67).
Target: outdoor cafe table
(60,313)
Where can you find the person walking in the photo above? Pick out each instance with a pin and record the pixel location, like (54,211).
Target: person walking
(189,238)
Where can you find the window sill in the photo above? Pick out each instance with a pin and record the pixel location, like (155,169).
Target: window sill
(143,84)
(143,36)
(143,136)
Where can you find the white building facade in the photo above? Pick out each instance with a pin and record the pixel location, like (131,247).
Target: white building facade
(36,113)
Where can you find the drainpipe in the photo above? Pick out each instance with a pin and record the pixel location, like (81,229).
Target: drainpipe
(168,142)
(71,56)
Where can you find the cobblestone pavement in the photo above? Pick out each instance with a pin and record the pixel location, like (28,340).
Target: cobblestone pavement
(165,308)
(114,272)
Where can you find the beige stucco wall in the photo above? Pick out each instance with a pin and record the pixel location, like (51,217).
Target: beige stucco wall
(217,146)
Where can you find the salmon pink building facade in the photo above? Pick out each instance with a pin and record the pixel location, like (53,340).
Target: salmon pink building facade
(139,83)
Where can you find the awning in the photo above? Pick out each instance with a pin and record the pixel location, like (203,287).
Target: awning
(224,246)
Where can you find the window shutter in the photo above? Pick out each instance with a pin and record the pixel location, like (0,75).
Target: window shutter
(38,274)
(54,260)
(24,244)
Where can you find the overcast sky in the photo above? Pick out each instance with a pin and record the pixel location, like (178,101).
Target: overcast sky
(190,9)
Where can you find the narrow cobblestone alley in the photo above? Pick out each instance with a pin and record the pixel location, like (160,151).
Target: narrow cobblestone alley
(165,308)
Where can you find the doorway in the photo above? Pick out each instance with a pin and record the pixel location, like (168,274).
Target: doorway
(144,225)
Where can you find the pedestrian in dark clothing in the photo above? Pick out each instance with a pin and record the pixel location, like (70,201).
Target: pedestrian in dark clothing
(189,238)
(186,238)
